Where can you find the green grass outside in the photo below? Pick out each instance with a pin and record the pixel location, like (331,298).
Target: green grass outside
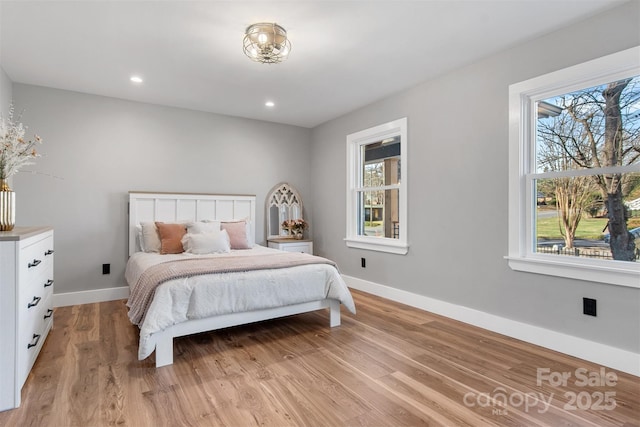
(589,228)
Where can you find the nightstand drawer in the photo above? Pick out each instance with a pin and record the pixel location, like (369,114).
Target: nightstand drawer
(291,245)
(302,247)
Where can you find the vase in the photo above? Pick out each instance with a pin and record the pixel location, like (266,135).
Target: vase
(298,236)
(7,207)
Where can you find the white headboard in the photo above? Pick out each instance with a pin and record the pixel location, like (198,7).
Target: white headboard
(179,207)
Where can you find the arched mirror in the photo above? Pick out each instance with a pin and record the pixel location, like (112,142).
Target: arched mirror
(283,203)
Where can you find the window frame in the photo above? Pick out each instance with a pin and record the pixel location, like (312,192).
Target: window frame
(522,124)
(355,163)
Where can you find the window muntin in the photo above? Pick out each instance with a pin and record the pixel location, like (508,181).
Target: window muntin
(376,209)
(533,105)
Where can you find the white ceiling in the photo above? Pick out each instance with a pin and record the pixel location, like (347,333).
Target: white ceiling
(345,54)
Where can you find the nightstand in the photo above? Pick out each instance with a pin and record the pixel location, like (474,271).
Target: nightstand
(292,245)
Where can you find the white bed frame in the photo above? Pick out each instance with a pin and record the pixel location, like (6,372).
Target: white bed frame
(175,207)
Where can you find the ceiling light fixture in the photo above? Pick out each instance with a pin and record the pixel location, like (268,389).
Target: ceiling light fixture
(136,79)
(266,42)
(269,104)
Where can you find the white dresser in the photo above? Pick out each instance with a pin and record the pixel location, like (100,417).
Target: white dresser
(292,245)
(26,305)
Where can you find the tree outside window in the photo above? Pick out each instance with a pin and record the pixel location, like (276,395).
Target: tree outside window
(591,129)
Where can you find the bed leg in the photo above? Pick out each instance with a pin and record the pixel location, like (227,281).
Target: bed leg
(334,315)
(164,351)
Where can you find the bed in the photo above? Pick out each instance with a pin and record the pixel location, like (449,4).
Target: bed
(204,290)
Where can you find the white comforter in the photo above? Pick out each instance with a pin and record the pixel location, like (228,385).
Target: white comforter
(204,296)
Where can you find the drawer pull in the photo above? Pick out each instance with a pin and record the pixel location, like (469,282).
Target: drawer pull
(49,283)
(34,263)
(49,252)
(34,302)
(34,341)
(49,313)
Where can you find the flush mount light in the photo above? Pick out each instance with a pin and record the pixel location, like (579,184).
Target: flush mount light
(269,104)
(266,42)
(136,79)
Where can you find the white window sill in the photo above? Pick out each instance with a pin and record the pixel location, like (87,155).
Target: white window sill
(379,244)
(619,273)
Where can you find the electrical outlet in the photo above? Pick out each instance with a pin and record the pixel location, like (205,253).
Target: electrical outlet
(106,268)
(363,263)
(589,306)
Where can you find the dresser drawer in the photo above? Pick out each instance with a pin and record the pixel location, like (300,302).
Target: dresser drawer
(35,282)
(33,305)
(36,259)
(34,327)
(31,293)
(35,295)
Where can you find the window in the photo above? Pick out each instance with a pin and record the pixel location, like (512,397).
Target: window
(574,172)
(377,188)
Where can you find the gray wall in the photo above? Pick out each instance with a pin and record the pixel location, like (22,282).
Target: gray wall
(6,97)
(457,183)
(96,149)
(6,91)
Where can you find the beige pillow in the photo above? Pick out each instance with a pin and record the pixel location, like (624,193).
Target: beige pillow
(150,241)
(171,237)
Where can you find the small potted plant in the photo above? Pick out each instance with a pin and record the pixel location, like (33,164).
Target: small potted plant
(296,227)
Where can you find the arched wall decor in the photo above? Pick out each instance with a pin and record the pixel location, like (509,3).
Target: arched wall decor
(283,203)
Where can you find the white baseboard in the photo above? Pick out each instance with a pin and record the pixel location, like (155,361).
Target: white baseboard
(601,354)
(89,297)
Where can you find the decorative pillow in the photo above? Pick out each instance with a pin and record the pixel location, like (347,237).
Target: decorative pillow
(207,243)
(150,241)
(199,227)
(239,234)
(203,227)
(171,237)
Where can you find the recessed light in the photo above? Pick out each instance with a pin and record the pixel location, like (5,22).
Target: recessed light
(269,104)
(136,79)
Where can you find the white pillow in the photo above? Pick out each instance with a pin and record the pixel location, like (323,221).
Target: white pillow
(139,247)
(207,243)
(150,241)
(203,227)
(206,226)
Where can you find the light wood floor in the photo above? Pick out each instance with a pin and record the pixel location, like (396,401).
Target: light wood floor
(388,365)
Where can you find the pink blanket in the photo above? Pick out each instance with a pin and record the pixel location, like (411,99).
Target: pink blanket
(142,294)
